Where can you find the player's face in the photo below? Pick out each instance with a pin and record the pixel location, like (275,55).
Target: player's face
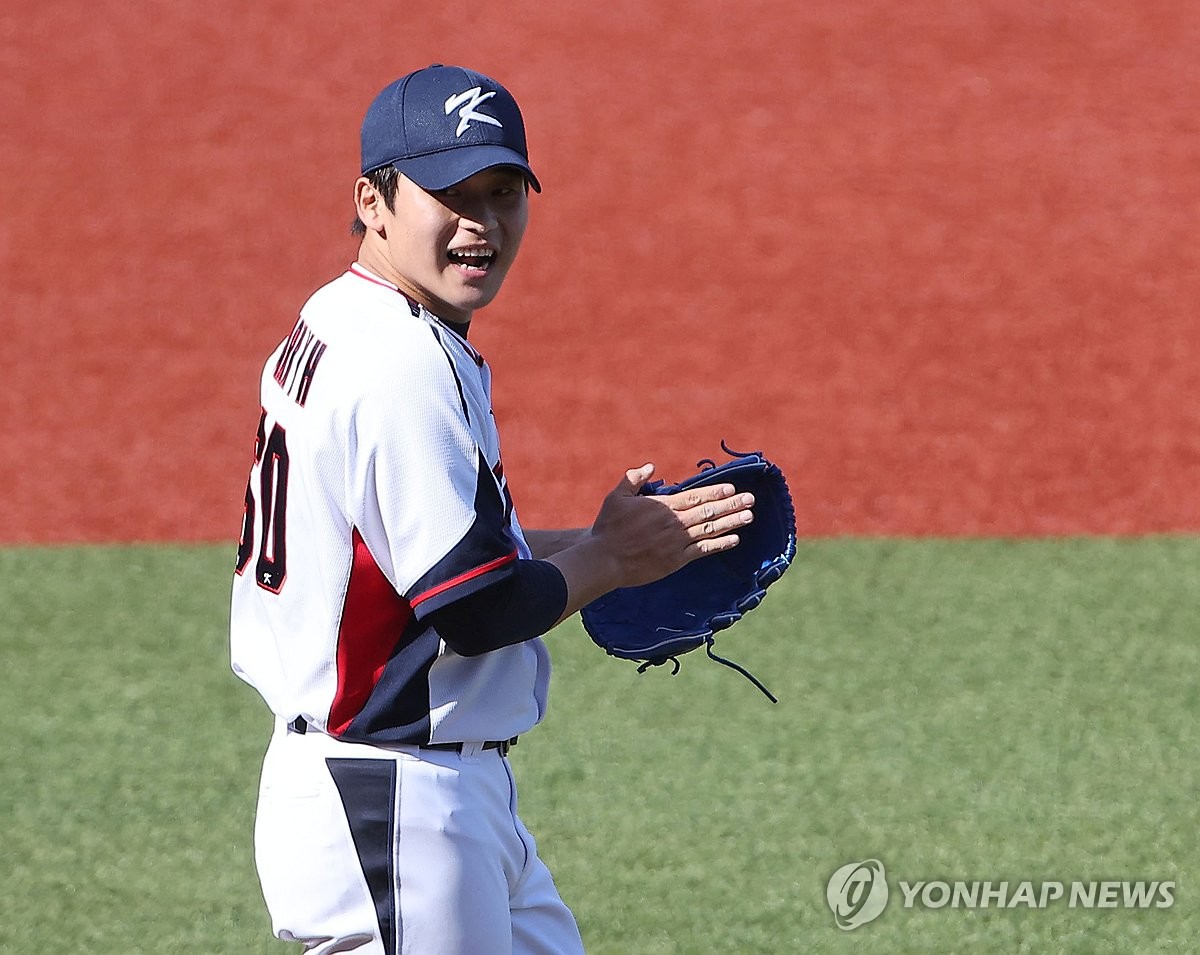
(452,249)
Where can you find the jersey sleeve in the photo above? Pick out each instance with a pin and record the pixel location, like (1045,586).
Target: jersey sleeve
(525,604)
(422,491)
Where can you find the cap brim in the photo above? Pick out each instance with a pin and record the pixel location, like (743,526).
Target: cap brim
(442,170)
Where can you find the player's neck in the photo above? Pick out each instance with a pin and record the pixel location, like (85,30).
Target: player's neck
(381,267)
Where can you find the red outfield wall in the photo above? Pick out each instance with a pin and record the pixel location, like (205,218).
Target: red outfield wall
(938,259)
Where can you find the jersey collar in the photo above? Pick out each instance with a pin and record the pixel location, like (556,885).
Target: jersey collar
(459,331)
(363,272)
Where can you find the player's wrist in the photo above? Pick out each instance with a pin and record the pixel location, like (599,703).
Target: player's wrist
(590,568)
(546,543)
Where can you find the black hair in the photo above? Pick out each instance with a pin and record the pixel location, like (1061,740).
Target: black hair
(384,180)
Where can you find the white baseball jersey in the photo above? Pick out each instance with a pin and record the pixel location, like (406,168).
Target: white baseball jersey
(376,493)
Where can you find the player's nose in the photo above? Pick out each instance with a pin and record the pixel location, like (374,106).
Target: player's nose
(480,217)
(480,225)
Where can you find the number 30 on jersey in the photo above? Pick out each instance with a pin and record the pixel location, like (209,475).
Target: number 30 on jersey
(266,510)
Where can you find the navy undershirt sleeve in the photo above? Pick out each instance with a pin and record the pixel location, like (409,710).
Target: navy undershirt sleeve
(524,604)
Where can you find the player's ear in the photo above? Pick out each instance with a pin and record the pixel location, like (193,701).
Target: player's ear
(369,204)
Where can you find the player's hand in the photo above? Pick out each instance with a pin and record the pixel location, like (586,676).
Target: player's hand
(637,539)
(648,537)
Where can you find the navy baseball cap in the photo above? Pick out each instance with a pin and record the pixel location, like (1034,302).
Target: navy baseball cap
(442,124)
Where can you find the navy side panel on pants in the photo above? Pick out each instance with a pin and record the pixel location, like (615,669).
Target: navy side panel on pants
(368,791)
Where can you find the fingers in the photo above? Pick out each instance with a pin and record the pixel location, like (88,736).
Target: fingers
(635,478)
(717,528)
(714,514)
(707,546)
(642,538)
(711,518)
(696,497)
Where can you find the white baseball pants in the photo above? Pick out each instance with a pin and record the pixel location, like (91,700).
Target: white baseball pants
(401,852)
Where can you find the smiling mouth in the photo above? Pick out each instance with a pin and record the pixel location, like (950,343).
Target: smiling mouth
(472,260)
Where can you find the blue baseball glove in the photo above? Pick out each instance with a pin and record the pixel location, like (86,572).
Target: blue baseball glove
(659,622)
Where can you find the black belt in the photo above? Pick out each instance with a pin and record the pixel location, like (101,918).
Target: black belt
(504,745)
(300,725)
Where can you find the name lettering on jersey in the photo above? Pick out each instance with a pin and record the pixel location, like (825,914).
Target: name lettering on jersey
(297,364)
(471,98)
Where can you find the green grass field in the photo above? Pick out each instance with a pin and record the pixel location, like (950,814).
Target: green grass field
(960,710)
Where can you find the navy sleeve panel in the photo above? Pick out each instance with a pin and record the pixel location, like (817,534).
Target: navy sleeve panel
(523,604)
(479,559)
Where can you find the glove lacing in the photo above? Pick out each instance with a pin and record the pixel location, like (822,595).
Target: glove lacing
(708,647)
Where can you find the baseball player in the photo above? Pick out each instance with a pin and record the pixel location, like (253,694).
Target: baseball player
(387,604)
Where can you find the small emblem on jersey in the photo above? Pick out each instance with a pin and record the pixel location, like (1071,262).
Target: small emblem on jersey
(297,364)
(465,103)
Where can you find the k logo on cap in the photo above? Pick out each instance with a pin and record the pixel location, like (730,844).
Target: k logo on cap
(406,127)
(472,97)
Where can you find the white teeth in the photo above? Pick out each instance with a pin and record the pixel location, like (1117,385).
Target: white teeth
(472,253)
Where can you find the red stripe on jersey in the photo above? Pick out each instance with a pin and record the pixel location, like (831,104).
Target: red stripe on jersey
(362,273)
(374,617)
(464,577)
